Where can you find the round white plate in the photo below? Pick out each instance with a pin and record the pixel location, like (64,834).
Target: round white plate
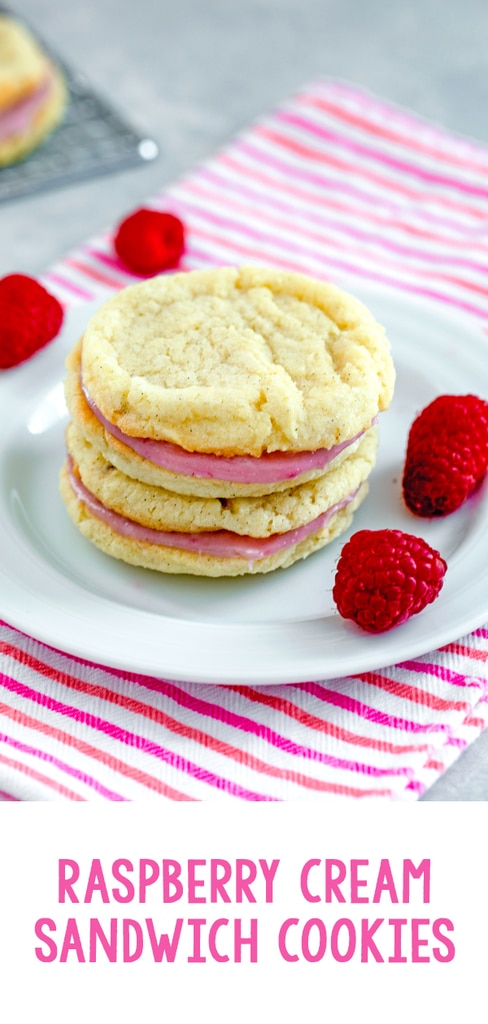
(277,628)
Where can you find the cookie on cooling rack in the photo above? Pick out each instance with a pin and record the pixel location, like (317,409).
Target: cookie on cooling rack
(33,94)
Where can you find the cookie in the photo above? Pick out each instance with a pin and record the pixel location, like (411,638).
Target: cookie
(269,372)
(237,361)
(141,464)
(32,92)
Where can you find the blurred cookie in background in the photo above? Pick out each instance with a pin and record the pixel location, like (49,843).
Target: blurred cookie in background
(40,92)
(33,95)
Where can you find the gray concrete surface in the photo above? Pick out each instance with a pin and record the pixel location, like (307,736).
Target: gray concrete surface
(193,74)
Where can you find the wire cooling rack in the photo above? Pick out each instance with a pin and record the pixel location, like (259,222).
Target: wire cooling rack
(93,139)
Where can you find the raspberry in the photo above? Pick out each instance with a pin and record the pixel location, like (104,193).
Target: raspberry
(447,454)
(149,241)
(385,576)
(29,317)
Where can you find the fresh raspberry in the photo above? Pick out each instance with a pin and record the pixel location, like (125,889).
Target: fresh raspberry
(149,241)
(447,454)
(385,576)
(29,317)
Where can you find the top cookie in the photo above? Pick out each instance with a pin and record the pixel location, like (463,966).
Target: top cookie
(23,65)
(237,361)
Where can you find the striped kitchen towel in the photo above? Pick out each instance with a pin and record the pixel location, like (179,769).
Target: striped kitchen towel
(339,184)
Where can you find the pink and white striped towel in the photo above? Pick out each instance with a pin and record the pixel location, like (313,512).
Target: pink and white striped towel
(335,183)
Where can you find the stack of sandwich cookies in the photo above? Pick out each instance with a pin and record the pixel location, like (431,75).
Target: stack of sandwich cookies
(32,92)
(223,421)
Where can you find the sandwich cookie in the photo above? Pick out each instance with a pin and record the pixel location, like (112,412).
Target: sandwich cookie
(33,94)
(229,381)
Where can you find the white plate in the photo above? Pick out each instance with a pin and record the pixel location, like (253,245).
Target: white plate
(283,627)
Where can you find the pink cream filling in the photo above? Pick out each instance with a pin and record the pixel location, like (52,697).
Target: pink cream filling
(219,544)
(269,468)
(17,119)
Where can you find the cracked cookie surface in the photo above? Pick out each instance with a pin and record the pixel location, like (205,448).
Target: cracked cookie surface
(237,361)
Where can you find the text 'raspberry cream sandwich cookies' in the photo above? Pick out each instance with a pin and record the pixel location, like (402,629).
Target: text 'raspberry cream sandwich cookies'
(32,92)
(223,421)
